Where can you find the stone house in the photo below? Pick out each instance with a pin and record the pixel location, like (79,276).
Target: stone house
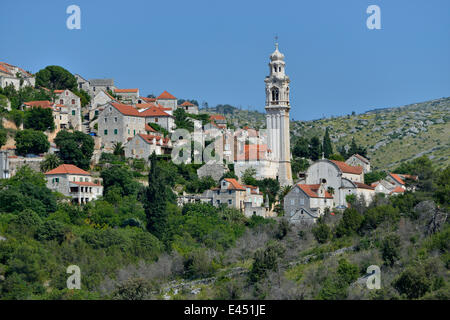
(10,163)
(73,107)
(167,100)
(12,75)
(127,95)
(98,102)
(235,195)
(142,146)
(118,122)
(74,182)
(219,120)
(93,86)
(358,160)
(305,203)
(189,107)
(158,115)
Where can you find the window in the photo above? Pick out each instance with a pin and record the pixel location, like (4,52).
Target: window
(115,119)
(61,101)
(134,132)
(67,93)
(106,132)
(229,191)
(73,101)
(230,201)
(218,201)
(156,119)
(292,201)
(80,85)
(302,201)
(115,131)
(279,69)
(106,119)
(275,94)
(73,112)
(94,88)
(96,112)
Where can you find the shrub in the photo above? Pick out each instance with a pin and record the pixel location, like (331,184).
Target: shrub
(321,232)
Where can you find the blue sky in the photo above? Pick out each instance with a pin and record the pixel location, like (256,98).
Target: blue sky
(217,51)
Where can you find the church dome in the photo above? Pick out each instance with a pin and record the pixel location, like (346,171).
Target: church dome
(276,55)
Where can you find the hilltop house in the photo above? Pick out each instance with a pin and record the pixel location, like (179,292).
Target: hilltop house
(72,104)
(119,122)
(12,75)
(167,100)
(305,203)
(93,86)
(189,107)
(358,160)
(74,182)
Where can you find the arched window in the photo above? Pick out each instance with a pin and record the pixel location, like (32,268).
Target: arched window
(274,68)
(279,69)
(275,94)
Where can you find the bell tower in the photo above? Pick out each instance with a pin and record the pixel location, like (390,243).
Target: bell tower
(277,115)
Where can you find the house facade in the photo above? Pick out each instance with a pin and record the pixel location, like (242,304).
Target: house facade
(73,107)
(142,146)
(74,182)
(305,203)
(167,100)
(189,107)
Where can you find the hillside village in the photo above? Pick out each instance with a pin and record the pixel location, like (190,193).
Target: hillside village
(118,118)
(209,195)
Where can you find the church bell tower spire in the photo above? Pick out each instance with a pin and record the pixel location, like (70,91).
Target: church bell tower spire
(277,115)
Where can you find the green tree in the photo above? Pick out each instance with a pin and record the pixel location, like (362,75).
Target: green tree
(51,161)
(119,179)
(321,232)
(38,118)
(155,201)
(443,187)
(315,149)
(56,78)
(413,282)
(327,147)
(350,223)
(118,149)
(3,137)
(301,148)
(390,249)
(75,148)
(248,177)
(31,141)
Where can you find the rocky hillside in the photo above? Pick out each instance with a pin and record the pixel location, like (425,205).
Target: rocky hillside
(391,135)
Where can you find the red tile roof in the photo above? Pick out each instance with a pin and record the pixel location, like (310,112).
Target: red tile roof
(126,109)
(217,117)
(234,185)
(43,104)
(147,137)
(68,169)
(312,189)
(154,112)
(126,90)
(398,189)
(363,186)
(187,103)
(253,189)
(58,91)
(347,168)
(397,178)
(144,105)
(89,184)
(166,96)
(148,99)
(3,69)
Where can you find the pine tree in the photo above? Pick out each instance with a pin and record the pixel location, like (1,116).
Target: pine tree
(326,145)
(155,201)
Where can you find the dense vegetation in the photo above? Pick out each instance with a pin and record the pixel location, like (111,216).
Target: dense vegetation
(133,241)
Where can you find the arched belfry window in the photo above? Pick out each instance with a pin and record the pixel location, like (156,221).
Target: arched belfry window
(275,94)
(274,68)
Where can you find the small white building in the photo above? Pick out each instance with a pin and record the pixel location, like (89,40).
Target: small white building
(12,75)
(189,107)
(74,182)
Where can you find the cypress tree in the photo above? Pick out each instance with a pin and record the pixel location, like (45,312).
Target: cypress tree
(315,149)
(326,145)
(155,201)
